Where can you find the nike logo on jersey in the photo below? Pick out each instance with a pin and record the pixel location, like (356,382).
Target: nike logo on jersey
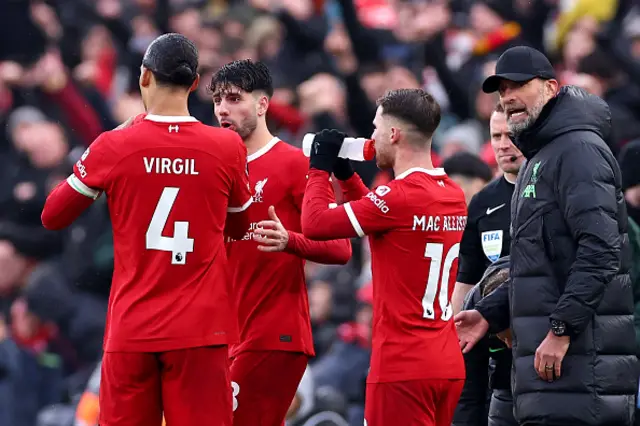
(493,209)
(494,350)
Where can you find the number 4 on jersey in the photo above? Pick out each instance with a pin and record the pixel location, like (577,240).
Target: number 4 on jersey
(438,275)
(180,244)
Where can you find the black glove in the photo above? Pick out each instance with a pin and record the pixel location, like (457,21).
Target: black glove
(342,169)
(325,149)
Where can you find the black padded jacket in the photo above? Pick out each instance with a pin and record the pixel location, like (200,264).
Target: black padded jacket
(570,260)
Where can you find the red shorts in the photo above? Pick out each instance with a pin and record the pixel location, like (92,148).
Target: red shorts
(428,402)
(191,386)
(265,383)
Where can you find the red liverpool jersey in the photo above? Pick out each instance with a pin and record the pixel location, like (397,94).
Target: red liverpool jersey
(270,289)
(170,182)
(415,225)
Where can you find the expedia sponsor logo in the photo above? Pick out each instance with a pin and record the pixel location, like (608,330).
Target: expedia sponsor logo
(382,190)
(379,203)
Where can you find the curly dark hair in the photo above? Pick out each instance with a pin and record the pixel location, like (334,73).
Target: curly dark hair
(244,74)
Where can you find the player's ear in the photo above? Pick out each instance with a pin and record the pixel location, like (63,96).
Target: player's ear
(145,77)
(263,105)
(195,84)
(395,135)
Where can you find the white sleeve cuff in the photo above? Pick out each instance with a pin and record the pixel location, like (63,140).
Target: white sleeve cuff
(83,189)
(353,220)
(242,208)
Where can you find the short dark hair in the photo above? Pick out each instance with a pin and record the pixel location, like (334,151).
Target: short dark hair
(414,106)
(173,60)
(467,165)
(245,74)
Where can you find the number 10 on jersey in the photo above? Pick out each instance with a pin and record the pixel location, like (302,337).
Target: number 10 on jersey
(439,274)
(180,244)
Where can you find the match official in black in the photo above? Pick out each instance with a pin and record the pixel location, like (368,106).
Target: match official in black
(486,239)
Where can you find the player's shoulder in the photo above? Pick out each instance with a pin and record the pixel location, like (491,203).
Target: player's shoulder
(222,140)
(395,189)
(217,132)
(422,175)
(107,144)
(220,134)
(286,150)
(290,157)
(435,182)
(122,136)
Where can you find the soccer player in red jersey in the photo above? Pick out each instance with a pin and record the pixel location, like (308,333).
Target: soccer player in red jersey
(268,262)
(415,225)
(174,186)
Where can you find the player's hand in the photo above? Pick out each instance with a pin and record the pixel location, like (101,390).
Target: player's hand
(342,169)
(271,234)
(325,149)
(549,356)
(471,327)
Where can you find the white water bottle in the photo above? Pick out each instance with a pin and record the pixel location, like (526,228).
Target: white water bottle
(356,149)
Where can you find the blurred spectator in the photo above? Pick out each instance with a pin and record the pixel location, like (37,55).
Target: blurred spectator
(629,164)
(313,406)
(629,161)
(468,171)
(320,306)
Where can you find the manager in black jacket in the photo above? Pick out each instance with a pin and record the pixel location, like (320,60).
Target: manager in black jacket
(569,302)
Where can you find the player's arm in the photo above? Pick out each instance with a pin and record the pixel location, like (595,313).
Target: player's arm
(333,252)
(73,196)
(238,220)
(370,214)
(272,235)
(65,204)
(353,188)
(471,260)
(351,184)
(495,308)
(326,252)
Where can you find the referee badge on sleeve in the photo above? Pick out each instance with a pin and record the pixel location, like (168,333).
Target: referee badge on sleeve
(492,244)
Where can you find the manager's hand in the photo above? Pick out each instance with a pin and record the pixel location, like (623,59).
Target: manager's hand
(549,356)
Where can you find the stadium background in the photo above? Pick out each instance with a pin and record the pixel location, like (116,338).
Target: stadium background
(69,69)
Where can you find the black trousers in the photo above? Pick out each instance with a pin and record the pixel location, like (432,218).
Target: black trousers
(501,409)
